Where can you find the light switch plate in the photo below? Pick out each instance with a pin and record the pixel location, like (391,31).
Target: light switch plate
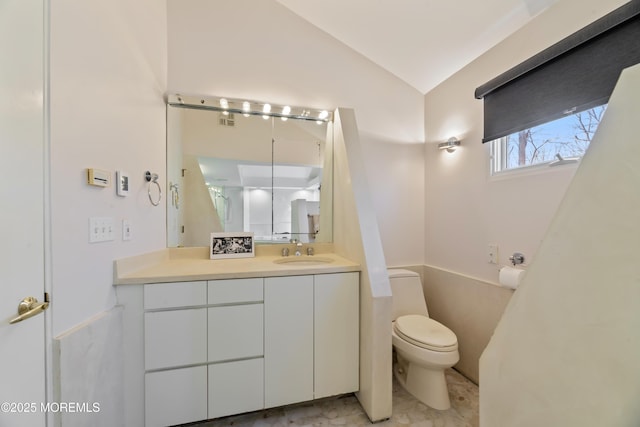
(126,229)
(101,229)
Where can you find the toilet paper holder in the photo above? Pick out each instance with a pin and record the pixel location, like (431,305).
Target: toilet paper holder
(516,258)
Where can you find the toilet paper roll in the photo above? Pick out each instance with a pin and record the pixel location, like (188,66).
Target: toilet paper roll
(510,277)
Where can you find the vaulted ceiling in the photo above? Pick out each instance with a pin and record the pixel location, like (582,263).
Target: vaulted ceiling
(422,42)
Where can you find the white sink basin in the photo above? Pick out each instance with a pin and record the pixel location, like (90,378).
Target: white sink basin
(303,260)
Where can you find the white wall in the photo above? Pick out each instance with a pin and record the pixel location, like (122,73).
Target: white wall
(108,77)
(466,209)
(566,351)
(264,52)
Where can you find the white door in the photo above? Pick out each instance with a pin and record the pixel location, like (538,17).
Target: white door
(336,334)
(22,344)
(288,340)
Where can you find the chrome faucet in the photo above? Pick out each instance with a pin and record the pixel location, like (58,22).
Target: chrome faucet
(298,246)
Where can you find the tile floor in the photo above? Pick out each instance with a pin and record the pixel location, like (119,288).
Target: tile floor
(346,411)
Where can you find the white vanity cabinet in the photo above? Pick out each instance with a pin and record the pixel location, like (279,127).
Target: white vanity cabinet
(311,337)
(207,349)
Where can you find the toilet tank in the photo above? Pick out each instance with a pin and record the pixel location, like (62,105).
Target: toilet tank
(407,294)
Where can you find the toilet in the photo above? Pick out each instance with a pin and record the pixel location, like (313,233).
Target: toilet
(424,347)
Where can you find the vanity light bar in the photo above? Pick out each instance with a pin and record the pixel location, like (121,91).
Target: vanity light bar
(247,108)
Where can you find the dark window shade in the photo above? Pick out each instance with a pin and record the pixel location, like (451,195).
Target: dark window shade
(573,75)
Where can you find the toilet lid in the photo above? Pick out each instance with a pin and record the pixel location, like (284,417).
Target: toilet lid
(426,333)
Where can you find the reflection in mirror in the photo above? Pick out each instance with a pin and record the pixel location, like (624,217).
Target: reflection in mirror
(229,171)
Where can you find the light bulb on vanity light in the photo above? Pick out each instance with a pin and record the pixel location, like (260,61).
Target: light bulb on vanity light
(224,104)
(451,144)
(246,108)
(322,116)
(286,110)
(266,109)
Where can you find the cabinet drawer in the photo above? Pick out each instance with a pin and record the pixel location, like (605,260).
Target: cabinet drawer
(175,338)
(231,291)
(235,332)
(175,397)
(170,295)
(236,387)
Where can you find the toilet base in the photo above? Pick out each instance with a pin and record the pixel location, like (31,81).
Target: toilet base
(429,386)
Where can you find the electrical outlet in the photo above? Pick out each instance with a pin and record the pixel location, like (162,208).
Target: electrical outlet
(493,254)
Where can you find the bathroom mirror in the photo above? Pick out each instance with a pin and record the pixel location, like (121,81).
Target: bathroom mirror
(234,171)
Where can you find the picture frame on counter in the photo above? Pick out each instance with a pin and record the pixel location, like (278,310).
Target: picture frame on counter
(238,244)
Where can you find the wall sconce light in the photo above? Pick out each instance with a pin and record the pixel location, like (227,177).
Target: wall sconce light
(451,144)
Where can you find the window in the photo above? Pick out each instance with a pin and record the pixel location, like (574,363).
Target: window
(547,108)
(557,142)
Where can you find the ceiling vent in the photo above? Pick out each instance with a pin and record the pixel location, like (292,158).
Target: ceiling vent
(227,119)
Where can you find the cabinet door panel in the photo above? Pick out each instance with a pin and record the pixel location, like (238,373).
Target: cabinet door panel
(175,338)
(236,387)
(235,332)
(336,332)
(288,355)
(175,397)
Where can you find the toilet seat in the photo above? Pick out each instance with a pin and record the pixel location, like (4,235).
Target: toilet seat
(426,333)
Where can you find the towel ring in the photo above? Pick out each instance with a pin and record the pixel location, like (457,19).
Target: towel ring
(152,178)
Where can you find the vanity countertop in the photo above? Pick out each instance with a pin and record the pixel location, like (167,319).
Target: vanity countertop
(191,264)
